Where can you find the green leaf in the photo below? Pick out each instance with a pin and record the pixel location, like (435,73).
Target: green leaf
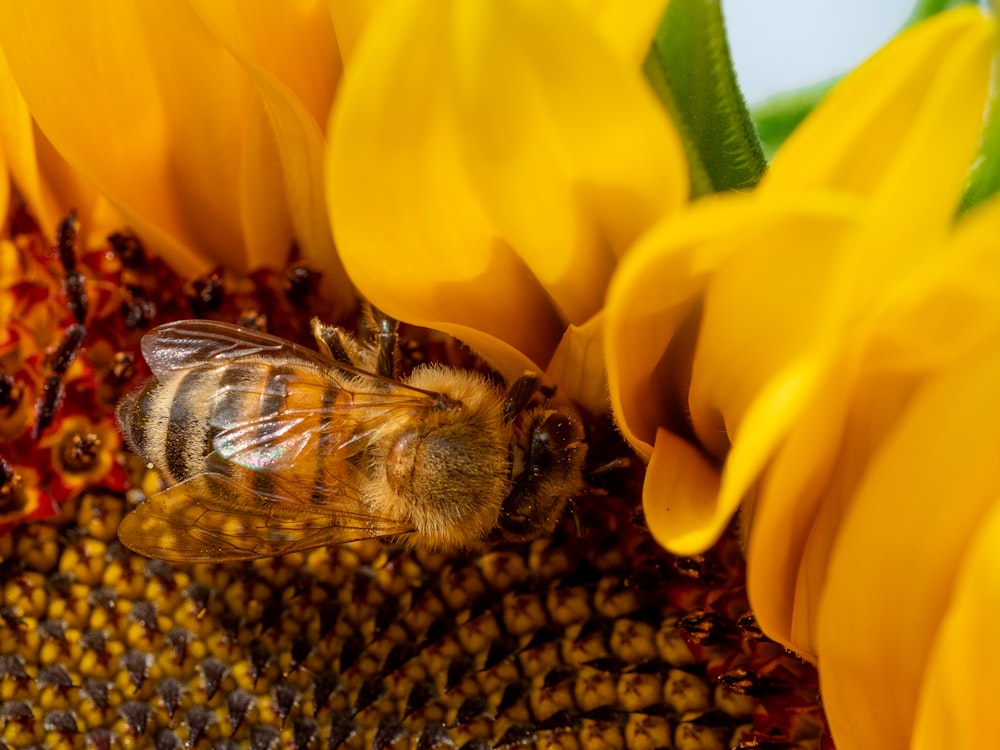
(690,68)
(927,8)
(779,115)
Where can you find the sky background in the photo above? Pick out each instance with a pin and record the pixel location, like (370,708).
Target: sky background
(783,44)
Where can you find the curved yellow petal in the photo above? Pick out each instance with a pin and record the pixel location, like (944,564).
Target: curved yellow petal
(958,696)
(937,316)
(656,327)
(799,486)
(291,43)
(49,186)
(489,163)
(897,551)
(653,312)
(267,222)
(902,125)
(578,365)
(628,28)
(295,91)
(350,17)
(767,308)
(160,134)
(17,137)
(679,496)
(4,189)
(944,307)
(808,488)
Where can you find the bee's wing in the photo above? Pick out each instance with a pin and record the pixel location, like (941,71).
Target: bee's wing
(212,518)
(191,343)
(319,419)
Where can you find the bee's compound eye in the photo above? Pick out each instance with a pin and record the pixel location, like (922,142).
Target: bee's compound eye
(554,453)
(557,432)
(553,438)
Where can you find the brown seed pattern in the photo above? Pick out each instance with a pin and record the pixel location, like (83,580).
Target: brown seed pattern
(554,643)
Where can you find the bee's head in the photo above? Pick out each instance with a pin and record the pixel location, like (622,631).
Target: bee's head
(547,470)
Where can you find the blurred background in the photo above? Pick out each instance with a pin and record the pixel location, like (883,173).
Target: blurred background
(782,44)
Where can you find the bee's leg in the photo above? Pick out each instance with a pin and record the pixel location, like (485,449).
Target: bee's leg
(340,346)
(519,394)
(383,331)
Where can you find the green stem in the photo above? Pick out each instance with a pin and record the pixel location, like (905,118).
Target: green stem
(690,68)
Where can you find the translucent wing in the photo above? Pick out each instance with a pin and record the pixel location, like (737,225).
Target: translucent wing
(318,418)
(192,343)
(212,518)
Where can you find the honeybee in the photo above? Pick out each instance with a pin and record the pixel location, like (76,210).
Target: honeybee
(273,448)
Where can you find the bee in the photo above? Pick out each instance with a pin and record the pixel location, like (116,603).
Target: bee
(271,447)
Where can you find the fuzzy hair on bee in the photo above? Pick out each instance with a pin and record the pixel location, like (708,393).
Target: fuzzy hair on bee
(270,447)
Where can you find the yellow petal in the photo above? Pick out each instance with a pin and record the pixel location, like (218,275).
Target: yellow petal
(679,496)
(18,140)
(959,689)
(295,91)
(578,365)
(809,486)
(159,133)
(4,191)
(768,420)
(798,487)
(938,315)
(652,315)
(897,551)
(458,127)
(626,27)
(290,43)
(267,223)
(900,130)
(49,186)
(350,17)
(767,307)
(944,307)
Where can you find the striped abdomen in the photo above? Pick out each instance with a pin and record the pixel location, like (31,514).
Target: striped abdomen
(175,422)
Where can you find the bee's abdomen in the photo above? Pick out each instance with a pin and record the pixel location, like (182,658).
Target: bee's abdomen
(132,413)
(167,422)
(174,423)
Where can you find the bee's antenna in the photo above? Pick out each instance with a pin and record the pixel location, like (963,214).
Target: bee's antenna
(615,465)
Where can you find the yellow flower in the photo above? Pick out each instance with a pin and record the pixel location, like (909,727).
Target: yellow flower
(193,119)
(824,351)
(489,165)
